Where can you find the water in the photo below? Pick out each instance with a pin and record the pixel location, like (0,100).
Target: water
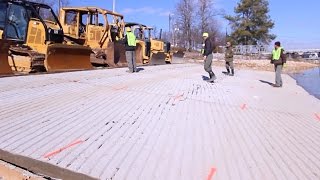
(309,80)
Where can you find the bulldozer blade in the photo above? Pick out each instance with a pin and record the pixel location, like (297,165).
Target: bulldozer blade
(169,58)
(139,55)
(158,58)
(62,57)
(115,55)
(179,54)
(5,68)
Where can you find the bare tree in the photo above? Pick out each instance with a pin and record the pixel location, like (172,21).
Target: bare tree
(193,19)
(155,33)
(185,11)
(53,3)
(165,36)
(206,13)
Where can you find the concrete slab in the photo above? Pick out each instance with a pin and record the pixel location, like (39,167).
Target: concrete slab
(164,122)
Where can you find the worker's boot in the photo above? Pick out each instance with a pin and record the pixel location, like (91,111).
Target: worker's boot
(212,77)
(232,72)
(228,71)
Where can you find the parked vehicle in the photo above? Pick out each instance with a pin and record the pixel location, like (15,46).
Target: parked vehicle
(310,55)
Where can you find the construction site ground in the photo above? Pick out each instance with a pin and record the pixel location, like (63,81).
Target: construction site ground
(164,122)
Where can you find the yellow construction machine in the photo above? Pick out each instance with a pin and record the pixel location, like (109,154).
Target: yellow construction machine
(150,50)
(98,28)
(39,39)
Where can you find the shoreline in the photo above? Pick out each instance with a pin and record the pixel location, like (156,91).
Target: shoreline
(309,80)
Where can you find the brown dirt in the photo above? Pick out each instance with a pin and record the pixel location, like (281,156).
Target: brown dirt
(264,65)
(9,171)
(245,62)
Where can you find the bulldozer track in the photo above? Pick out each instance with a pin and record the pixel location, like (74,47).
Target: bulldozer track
(36,59)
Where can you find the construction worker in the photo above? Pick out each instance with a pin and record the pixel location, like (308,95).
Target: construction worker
(229,59)
(208,56)
(130,44)
(278,59)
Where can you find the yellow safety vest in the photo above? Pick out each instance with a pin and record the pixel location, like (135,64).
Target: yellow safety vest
(202,50)
(276,53)
(131,38)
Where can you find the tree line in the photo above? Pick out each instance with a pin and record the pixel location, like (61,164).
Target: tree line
(192,18)
(250,24)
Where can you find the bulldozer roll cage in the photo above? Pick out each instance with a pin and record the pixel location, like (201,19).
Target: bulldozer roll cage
(33,7)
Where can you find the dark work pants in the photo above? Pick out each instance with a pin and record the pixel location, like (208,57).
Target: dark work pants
(131,60)
(229,65)
(278,70)
(208,63)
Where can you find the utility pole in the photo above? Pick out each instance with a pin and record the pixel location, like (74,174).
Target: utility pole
(59,7)
(170,33)
(169,23)
(114,6)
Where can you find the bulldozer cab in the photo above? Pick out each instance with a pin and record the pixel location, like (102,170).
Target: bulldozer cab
(142,39)
(33,24)
(92,26)
(140,31)
(149,50)
(160,50)
(14,21)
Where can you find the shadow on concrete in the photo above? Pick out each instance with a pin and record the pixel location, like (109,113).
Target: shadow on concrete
(205,78)
(266,82)
(140,69)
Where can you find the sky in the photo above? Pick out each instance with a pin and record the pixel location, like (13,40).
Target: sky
(296,22)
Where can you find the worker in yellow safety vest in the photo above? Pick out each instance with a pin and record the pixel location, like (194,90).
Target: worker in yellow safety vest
(130,45)
(278,59)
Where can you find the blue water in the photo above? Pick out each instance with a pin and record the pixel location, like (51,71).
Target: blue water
(309,80)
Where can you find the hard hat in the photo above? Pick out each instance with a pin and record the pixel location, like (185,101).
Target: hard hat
(128,29)
(205,34)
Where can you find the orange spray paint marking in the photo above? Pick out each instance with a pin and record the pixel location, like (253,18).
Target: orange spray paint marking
(317,116)
(120,88)
(178,98)
(212,173)
(243,106)
(62,149)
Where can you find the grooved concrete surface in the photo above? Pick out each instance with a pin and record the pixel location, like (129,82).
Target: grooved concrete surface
(163,123)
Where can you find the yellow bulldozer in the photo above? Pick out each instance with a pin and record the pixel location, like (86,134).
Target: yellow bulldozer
(99,29)
(39,39)
(150,50)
